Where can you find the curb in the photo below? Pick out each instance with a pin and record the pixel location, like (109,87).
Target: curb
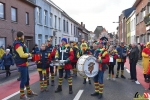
(14,69)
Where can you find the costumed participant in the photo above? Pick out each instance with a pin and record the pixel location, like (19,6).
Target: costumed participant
(51,50)
(20,57)
(113,55)
(85,51)
(122,54)
(103,59)
(65,52)
(145,59)
(76,57)
(42,64)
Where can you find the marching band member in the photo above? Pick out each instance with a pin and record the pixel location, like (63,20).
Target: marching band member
(51,50)
(42,65)
(103,59)
(85,50)
(20,57)
(122,54)
(112,53)
(145,59)
(65,52)
(76,57)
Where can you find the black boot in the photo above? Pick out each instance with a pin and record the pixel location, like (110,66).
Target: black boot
(95,94)
(7,73)
(89,81)
(100,96)
(84,81)
(116,76)
(59,89)
(122,76)
(52,83)
(70,89)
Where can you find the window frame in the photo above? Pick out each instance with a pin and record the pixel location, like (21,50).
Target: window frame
(55,26)
(16,14)
(64,25)
(59,23)
(3,10)
(45,17)
(27,18)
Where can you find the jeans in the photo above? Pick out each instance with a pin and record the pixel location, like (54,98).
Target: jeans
(24,76)
(133,70)
(2,65)
(99,77)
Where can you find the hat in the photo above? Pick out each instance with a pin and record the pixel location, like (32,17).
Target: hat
(8,50)
(64,39)
(20,34)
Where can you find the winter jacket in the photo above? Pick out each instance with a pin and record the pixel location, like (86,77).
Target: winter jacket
(7,60)
(133,55)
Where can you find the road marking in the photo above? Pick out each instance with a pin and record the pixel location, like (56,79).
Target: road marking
(128,70)
(10,96)
(77,97)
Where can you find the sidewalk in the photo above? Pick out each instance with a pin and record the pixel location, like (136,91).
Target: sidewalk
(140,63)
(15,68)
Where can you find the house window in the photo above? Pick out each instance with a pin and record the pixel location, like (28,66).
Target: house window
(149,8)
(137,18)
(71,29)
(39,15)
(143,14)
(64,25)
(13,14)
(55,22)
(27,18)
(46,38)
(2,11)
(56,41)
(59,23)
(45,17)
(51,19)
(67,27)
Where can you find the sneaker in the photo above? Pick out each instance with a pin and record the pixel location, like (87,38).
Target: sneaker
(31,94)
(108,78)
(113,79)
(24,97)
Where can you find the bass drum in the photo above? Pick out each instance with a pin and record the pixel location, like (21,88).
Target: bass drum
(87,66)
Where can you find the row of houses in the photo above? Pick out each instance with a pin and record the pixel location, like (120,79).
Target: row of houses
(134,23)
(39,20)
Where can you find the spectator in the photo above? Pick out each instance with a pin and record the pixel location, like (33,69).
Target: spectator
(8,61)
(139,48)
(9,47)
(133,59)
(2,52)
(35,49)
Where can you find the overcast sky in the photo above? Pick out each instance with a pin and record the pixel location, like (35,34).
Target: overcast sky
(95,12)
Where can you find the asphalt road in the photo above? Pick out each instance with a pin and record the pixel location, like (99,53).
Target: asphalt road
(121,89)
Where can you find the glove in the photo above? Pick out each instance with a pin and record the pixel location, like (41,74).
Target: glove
(56,58)
(67,61)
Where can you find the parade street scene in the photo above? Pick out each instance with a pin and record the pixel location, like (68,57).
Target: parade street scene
(74,50)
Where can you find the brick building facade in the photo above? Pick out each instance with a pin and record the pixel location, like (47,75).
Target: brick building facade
(16,15)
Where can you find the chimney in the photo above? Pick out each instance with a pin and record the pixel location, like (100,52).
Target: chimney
(84,25)
(81,23)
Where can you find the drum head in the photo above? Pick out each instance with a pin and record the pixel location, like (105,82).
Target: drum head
(91,67)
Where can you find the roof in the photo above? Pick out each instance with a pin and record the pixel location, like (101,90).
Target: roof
(128,11)
(54,5)
(136,3)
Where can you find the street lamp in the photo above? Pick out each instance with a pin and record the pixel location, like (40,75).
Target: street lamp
(12,31)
